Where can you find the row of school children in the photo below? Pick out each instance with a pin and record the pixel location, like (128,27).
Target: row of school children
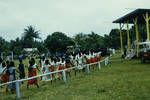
(8,68)
(78,61)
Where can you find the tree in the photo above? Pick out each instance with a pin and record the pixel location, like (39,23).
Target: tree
(4,45)
(16,46)
(107,41)
(94,41)
(40,46)
(114,38)
(29,35)
(88,42)
(80,40)
(58,42)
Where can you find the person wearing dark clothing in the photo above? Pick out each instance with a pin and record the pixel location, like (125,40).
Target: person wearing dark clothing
(124,53)
(1,60)
(68,65)
(21,70)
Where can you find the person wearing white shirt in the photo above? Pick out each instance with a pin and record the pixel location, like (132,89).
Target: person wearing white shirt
(46,70)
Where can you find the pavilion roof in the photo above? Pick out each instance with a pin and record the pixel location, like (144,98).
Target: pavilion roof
(132,15)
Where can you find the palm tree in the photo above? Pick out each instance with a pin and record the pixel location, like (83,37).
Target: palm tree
(29,36)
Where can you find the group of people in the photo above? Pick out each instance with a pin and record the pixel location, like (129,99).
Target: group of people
(8,73)
(73,60)
(8,69)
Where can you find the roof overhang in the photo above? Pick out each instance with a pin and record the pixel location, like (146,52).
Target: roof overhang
(129,18)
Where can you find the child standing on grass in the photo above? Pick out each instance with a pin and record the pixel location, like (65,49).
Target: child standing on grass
(3,76)
(45,70)
(6,76)
(32,71)
(21,70)
(3,71)
(12,76)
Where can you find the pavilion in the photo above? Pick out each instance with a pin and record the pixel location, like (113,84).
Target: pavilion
(138,16)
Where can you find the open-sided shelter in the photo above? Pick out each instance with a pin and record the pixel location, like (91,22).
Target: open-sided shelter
(138,16)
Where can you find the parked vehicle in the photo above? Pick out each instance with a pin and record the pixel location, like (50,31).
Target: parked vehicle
(144,52)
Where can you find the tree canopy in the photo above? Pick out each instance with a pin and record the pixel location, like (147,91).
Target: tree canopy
(58,42)
(88,42)
(30,33)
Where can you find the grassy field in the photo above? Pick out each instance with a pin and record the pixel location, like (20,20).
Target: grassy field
(121,80)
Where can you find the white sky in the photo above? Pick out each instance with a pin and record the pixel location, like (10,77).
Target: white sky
(68,16)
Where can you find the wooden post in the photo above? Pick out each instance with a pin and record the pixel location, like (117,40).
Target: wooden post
(137,36)
(88,68)
(106,61)
(147,18)
(128,37)
(121,42)
(18,90)
(64,75)
(99,65)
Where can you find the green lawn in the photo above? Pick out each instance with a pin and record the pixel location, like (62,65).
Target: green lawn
(121,80)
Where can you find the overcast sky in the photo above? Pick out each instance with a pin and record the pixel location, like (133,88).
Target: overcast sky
(68,16)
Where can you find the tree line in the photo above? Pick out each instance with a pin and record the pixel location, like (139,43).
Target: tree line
(58,41)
